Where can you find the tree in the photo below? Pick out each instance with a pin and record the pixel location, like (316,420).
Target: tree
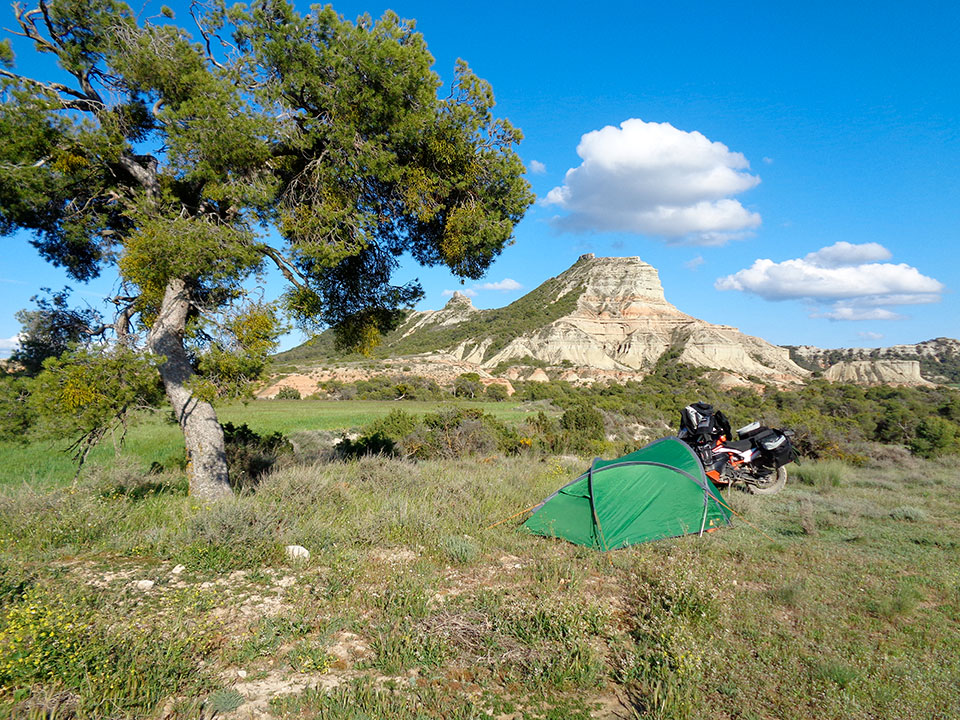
(51,329)
(172,159)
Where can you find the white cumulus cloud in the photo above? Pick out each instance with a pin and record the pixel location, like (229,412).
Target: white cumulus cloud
(505,284)
(653,179)
(537,167)
(845,276)
(847,312)
(8,345)
(463,291)
(844,253)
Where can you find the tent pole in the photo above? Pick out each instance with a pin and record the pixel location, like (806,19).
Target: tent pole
(706,505)
(593,506)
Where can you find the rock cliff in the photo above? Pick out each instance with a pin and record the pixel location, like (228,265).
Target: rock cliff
(615,320)
(876,372)
(938,359)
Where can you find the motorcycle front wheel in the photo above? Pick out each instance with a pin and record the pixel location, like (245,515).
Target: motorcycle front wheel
(770,483)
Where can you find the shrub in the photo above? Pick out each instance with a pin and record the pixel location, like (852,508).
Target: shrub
(496,392)
(231,534)
(250,455)
(908,513)
(823,475)
(935,436)
(460,549)
(467,385)
(287,393)
(449,433)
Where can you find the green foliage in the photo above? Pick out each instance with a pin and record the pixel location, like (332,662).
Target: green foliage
(224,700)
(167,157)
(459,549)
(250,455)
(233,351)
(824,474)
(87,392)
(468,386)
(50,330)
(496,392)
(935,436)
(64,640)
(287,393)
(386,387)
(449,433)
(17,415)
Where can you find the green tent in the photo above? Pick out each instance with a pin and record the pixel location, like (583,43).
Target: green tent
(656,492)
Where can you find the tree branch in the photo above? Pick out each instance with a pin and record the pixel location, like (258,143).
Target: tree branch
(81,101)
(146,176)
(206,36)
(292,275)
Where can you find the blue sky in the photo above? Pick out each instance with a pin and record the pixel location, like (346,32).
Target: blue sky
(793,171)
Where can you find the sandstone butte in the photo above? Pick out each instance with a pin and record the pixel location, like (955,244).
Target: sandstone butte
(622,323)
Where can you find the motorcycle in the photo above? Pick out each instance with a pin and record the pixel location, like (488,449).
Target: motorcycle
(756,459)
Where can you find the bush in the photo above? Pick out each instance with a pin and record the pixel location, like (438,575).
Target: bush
(287,393)
(250,455)
(449,433)
(497,392)
(583,430)
(822,475)
(935,436)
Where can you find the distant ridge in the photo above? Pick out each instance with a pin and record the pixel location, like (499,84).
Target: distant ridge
(938,360)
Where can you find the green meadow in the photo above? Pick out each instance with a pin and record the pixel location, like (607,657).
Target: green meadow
(156,438)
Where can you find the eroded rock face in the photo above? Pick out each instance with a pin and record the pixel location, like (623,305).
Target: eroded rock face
(458,308)
(877,372)
(623,322)
(619,326)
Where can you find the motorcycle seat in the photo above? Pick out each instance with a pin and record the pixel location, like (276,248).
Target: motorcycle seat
(740,445)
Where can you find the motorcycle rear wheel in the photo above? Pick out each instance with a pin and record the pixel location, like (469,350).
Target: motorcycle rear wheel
(769,484)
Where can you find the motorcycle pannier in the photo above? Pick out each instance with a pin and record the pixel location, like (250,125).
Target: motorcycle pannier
(776,447)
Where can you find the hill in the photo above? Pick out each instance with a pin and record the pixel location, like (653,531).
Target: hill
(938,359)
(601,318)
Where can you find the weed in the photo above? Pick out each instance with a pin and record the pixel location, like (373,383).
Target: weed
(460,549)
(908,513)
(833,671)
(307,656)
(223,701)
(267,637)
(402,646)
(823,475)
(791,594)
(361,700)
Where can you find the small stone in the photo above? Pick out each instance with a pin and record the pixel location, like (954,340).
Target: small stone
(143,584)
(297,552)
(178,569)
(241,673)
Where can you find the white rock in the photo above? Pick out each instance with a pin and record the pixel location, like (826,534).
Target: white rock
(178,569)
(297,552)
(241,673)
(143,584)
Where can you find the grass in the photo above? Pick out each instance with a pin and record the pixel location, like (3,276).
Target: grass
(154,439)
(848,606)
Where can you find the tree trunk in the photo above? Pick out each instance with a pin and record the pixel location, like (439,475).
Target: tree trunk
(206,454)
